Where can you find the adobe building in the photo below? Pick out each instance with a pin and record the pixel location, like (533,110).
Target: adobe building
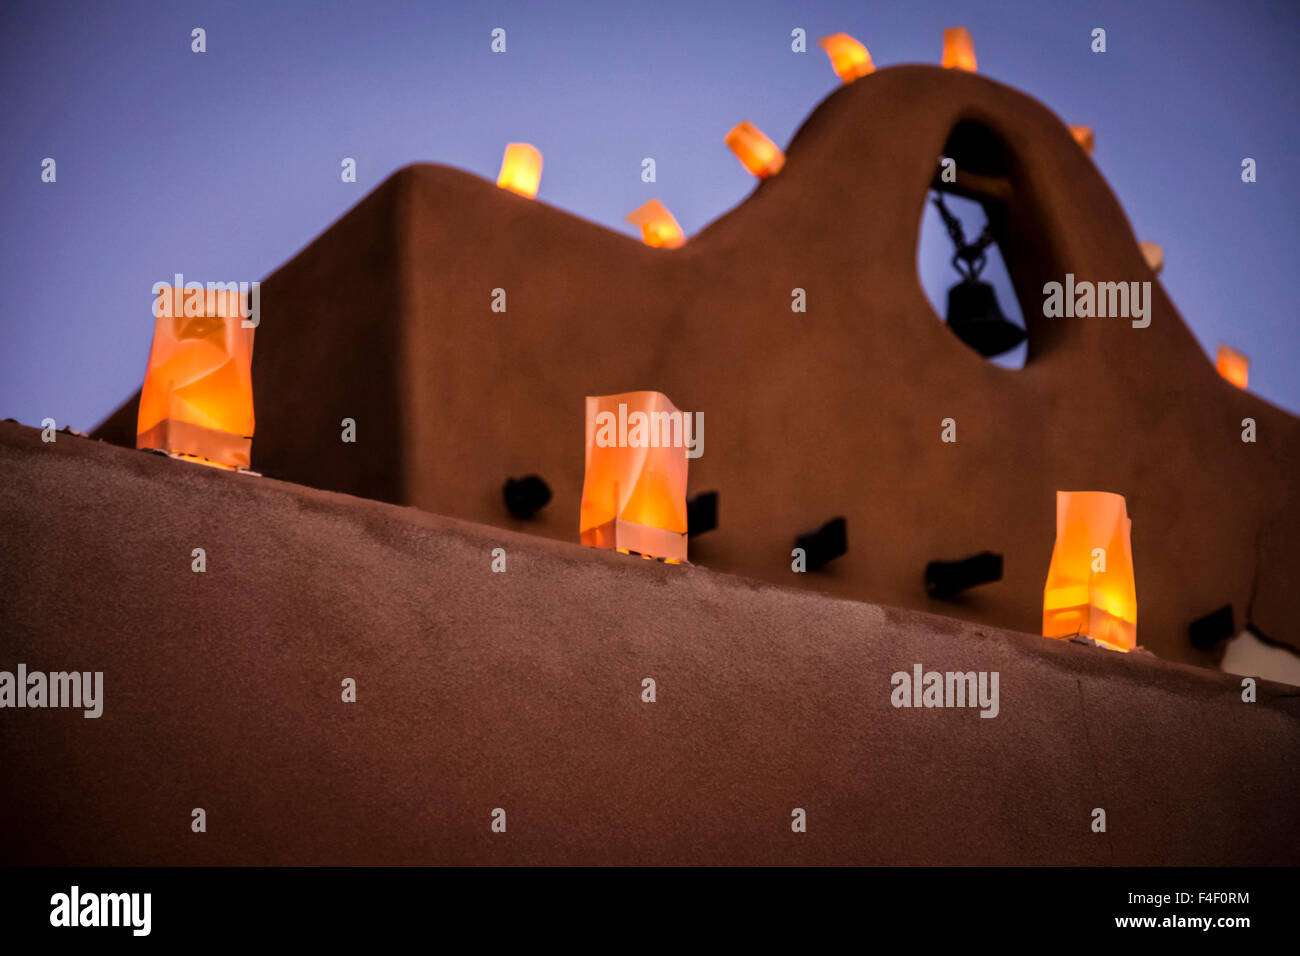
(523,690)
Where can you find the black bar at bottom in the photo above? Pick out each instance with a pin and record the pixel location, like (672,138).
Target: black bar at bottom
(187,905)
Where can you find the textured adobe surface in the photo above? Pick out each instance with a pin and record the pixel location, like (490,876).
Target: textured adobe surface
(522,690)
(385,319)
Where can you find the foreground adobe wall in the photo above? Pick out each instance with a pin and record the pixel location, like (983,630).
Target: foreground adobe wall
(386,319)
(522,690)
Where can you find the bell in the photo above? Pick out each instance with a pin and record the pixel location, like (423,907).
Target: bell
(975,318)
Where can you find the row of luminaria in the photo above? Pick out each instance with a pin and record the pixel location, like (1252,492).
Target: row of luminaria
(197,404)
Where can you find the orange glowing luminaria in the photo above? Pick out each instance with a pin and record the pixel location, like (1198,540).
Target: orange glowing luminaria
(958,49)
(849,58)
(1083,136)
(634,491)
(197,398)
(658,227)
(521,169)
(758,153)
(1233,366)
(1090,589)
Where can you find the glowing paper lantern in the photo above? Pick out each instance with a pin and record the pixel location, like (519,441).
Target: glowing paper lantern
(1090,589)
(958,49)
(1083,136)
(1233,366)
(849,58)
(1154,255)
(658,227)
(521,169)
(758,153)
(634,491)
(197,398)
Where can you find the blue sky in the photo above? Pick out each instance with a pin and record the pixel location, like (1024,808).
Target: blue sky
(223,165)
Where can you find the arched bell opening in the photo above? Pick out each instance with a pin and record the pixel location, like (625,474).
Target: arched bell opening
(979,258)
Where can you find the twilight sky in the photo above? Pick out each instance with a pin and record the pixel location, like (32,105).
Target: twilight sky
(223,165)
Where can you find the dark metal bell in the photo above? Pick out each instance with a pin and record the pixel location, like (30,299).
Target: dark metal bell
(975,318)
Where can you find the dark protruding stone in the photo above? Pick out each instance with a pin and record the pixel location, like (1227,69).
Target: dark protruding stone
(526,496)
(943,579)
(701,513)
(825,544)
(1207,631)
